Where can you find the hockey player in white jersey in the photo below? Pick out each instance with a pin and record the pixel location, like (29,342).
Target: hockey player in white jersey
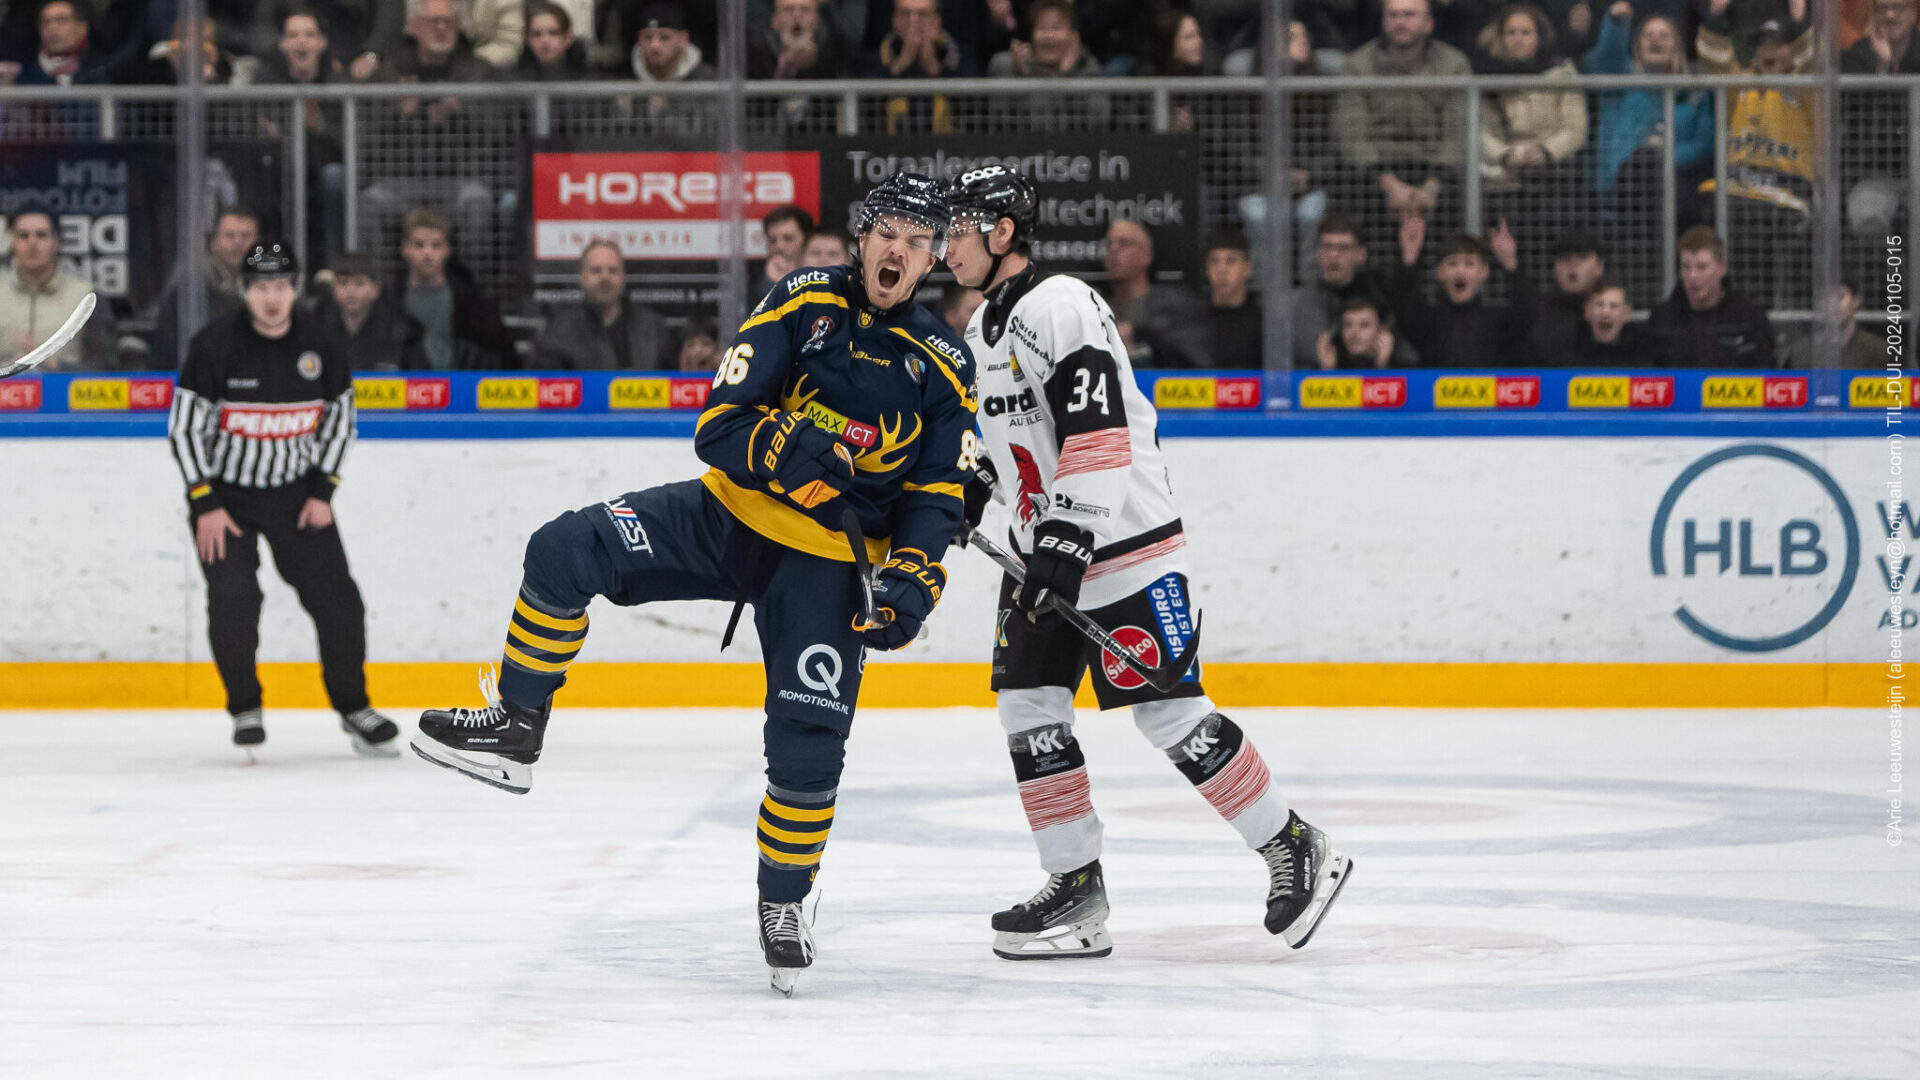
(1094,520)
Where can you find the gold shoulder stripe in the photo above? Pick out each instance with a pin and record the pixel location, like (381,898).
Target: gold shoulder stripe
(954,490)
(710,414)
(939,363)
(792,306)
(541,618)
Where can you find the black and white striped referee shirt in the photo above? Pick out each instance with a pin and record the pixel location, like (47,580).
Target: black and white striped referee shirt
(253,413)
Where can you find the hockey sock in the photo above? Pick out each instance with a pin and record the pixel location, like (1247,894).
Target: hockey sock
(1217,758)
(1051,771)
(541,641)
(793,835)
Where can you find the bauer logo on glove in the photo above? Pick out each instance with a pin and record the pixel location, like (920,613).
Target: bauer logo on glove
(907,588)
(798,459)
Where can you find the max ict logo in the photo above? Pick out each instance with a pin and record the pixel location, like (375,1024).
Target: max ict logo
(1756,582)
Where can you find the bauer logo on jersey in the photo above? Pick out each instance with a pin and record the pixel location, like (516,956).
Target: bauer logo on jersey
(822,327)
(308,365)
(632,533)
(270,421)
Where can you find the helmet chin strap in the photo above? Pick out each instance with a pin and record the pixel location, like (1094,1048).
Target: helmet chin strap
(993,263)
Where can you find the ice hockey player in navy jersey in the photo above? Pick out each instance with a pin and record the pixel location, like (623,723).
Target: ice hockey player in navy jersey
(839,392)
(1095,522)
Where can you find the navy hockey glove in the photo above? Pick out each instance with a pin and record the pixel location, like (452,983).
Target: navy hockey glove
(908,586)
(977,494)
(1061,554)
(807,464)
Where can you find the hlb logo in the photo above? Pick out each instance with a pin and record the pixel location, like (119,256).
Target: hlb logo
(1780,567)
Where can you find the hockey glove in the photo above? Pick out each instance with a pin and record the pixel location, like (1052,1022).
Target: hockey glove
(1061,554)
(977,494)
(798,459)
(909,585)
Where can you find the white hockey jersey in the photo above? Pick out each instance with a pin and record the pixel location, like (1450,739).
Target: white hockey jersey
(1070,432)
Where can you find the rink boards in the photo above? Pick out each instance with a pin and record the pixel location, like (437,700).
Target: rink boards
(1444,571)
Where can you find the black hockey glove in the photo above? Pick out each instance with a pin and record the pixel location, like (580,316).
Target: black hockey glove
(908,586)
(977,494)
(1061,554)
(807,464)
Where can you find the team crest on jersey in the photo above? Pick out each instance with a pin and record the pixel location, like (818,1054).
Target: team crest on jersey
(308,365)
(866,318)
(822,326)
(916,367)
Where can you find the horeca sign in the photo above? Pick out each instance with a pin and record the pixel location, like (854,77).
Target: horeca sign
(662,206)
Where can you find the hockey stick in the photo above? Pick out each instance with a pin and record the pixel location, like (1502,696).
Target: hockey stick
(1163,678)
(850,524)
(68,330)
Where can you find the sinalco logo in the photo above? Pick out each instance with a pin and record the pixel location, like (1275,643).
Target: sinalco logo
(1768,570)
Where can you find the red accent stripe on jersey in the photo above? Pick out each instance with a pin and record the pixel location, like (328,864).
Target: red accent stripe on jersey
(1057,799)
(1240,784)
(1094,451)
(1134,558)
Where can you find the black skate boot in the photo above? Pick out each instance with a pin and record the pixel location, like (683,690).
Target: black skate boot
(787,940)
(496,745)
(249,730)
(1306,878)
(372,734)
(1066,919)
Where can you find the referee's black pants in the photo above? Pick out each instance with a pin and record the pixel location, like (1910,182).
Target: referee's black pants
(310,560)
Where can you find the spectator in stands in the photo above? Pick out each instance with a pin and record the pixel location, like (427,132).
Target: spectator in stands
(1704,323)
(826,248)
(66,53)
(301,58)
(36,299)
(1312,162)
(1579,264)
(1176,49)
(460,324)
(1363,341)
(162,66)
(1854,347)
(604,331)
(1875,126)
(1609,337)
(438,134)
(700,346)
(1340,258)
(1054,52)
(376,336)
(1114,31)
(346,24)
(664,52)
(235,232)
(1528,138)
(1771,150)
(1235,323)
(1630,136)
(1741,21)
(552,54)
(798,44)
(1462,329)
(1402,149)
(494,31)
(1576,24)
(919,48)
(1158,324)
(957,305)
(786,229)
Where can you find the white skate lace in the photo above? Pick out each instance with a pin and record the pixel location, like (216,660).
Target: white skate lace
(1054,881)
(782,922)
(365,721)
(493,714)
(1279,856)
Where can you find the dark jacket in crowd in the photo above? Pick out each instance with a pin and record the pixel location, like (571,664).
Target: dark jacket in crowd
(480,340)
(1634,348)
(1733,334)
(1235,336)
(1470,335)
(576,340)
(388,341)
(1559,324)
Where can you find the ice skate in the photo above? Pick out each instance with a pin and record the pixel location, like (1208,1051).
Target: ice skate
(496,745)
(788,942)
(1307,876)
(1066,919)
(372,734)
(249,730)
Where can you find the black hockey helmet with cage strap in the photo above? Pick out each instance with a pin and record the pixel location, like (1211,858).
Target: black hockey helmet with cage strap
(981,197)
(913,198)
(269,260)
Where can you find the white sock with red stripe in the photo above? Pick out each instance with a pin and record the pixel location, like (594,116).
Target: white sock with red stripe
(1052,774)
(1219,760)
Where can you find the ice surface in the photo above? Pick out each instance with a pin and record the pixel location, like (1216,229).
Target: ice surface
(1649,895)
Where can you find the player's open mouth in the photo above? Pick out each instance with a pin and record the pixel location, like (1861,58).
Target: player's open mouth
(889,278)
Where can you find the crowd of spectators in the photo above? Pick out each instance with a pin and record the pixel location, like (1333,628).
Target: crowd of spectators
(1571,177)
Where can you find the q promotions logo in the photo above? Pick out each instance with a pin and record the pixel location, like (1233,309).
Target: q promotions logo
(1756,580)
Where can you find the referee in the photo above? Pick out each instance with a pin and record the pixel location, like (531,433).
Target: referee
(261,422)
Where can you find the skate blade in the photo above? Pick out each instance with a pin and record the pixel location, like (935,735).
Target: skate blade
(1326,889)
(784,978)
(501,773)
(1075,941)
(373,749)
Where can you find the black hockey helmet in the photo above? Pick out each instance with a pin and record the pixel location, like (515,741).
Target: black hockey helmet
(912,197)
(982,197)
(269,260)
